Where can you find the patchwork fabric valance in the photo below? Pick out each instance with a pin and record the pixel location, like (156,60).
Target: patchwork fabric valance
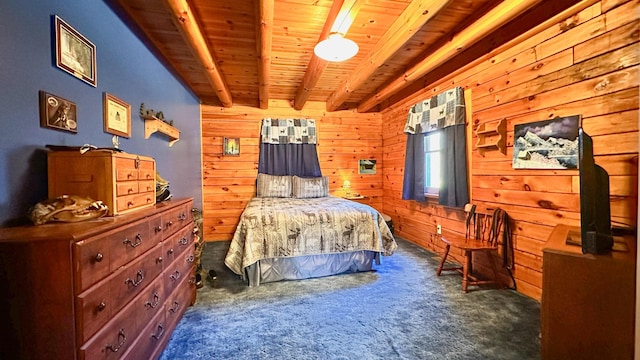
(288,131)
(440,111)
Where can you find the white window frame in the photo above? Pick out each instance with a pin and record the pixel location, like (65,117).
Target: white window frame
(430,165)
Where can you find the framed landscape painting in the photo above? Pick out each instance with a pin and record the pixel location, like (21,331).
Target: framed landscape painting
(547,144)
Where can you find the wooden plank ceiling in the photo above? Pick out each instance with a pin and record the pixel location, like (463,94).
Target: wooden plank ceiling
(247,52)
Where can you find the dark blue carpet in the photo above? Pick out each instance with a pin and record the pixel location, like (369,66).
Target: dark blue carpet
(400,311)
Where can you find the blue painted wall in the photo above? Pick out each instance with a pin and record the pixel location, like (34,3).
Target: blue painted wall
(125,68)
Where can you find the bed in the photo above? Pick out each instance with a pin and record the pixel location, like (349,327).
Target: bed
(293,229)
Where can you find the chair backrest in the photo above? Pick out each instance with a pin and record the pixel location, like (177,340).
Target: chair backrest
(485,226)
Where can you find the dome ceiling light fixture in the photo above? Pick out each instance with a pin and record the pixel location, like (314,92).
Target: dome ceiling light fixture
(336,48)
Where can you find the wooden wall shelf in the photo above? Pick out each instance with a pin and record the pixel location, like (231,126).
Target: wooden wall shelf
(492,138)
(153,124)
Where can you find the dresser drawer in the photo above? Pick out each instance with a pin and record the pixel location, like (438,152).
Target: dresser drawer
(94,308)
(180,269)
(92,261)
(151,337)
(131,279)
(147,186)
(131,202)
(151,301)
(114,339)
(147,172)
(130,242)
(126,188)
(176,219)
(177,244)
(178,301)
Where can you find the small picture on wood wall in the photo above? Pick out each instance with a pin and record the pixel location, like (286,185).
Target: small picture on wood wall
(547,144)
(231,147)
(366,166)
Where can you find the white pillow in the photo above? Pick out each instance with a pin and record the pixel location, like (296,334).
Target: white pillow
(273,186)
(310,187)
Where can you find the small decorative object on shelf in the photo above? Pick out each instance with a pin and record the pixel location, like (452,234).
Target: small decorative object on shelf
(492,138)
(154,121)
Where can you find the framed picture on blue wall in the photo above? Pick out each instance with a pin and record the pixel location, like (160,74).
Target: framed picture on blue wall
(57,113)
(117,116)
(74,53)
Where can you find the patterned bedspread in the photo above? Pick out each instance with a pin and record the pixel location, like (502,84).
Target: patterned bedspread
(287,227)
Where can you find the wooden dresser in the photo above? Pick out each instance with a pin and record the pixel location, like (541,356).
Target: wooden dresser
(124,182)
(109,288)
(587,308)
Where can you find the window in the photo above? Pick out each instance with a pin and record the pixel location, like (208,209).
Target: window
(432,146)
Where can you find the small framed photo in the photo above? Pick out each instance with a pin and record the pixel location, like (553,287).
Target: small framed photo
(57,113)
(117,116)
(366,166)
(231,147)
(74,53)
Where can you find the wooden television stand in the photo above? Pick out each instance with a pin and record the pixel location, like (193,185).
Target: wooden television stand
(588,301)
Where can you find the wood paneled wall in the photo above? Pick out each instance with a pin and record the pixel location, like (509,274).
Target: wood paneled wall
(344,137)
(587,64)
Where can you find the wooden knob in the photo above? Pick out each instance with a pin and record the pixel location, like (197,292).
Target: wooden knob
(99,257)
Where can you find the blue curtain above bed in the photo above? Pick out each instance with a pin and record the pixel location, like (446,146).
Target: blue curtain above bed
(288,147)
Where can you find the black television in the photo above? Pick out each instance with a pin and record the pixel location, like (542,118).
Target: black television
(595,209)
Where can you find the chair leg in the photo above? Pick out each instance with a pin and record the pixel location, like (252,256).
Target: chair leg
(466,268)
(444,258)
(493,267)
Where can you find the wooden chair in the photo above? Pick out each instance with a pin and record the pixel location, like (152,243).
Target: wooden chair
(482,231)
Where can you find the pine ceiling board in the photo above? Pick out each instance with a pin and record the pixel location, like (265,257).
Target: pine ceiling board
(435,31)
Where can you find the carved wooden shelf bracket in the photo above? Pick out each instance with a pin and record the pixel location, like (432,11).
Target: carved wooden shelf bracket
(153,124)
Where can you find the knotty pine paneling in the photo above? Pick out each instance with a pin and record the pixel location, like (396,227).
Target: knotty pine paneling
(344,137)
(586,64)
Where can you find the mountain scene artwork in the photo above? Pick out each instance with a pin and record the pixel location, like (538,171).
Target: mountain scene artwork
(547,144)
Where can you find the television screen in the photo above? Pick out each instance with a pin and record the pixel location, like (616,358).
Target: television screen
(595,213)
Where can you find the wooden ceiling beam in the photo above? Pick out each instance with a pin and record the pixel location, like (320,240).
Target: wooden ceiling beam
(185,21)
(264,40)
(494,19)
(317,65)
(417,13)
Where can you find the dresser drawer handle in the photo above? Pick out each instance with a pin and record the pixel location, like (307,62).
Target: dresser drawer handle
(98,257)
(129,175)
(116,348)
(138,281)
(183,241)
(101,306)
(175,307)
(149,188)
(169,224)
(133,244)
(159,334)
(159,260)
(182,217)
(170,251)
(157,228)
(156,301)
(190,259)
(175,276)
(130,204)
(148,200)
(130,191)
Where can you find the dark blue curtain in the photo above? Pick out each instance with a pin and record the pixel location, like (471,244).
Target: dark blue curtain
(289,159)
(413,183)
(454,189)
(444,111)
